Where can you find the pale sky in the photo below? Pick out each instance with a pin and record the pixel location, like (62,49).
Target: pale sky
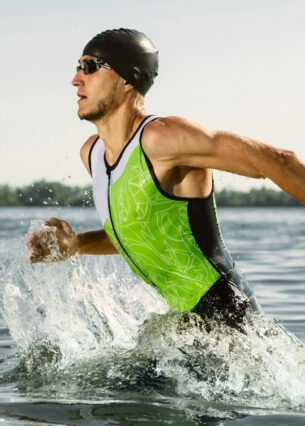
(235,65)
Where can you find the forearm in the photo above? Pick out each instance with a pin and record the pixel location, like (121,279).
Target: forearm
(95,242)
(255,159)
(288,172)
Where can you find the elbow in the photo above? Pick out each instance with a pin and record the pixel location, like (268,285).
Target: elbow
(286,157)
(287,160)
(274,164)
(278,161)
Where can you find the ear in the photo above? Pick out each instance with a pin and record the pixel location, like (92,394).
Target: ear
(128,85)
(135,72)
(134,77)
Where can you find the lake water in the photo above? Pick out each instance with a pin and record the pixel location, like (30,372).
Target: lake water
(84,342)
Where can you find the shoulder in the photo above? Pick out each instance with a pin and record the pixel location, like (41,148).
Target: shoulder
(163,129)
(172,135)
(173,127)
(164,126)
(85,150)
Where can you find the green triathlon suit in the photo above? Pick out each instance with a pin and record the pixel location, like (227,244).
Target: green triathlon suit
(172,243)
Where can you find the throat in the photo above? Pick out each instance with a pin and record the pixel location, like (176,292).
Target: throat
(116,144)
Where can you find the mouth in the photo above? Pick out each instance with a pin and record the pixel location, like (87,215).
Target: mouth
(81,97)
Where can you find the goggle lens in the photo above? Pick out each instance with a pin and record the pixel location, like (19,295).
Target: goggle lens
(90,66)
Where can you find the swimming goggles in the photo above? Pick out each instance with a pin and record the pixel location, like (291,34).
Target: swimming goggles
(90,66)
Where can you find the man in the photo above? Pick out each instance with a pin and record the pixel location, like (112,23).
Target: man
(153,184)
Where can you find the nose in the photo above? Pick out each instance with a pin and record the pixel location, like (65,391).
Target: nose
(76,79)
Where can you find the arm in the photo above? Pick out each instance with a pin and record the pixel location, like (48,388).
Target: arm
(95,242)
(57,241)
(175,143)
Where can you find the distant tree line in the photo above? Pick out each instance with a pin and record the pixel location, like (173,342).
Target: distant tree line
(262,197)
(44,193)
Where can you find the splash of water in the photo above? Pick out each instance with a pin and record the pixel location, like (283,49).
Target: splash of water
(89,324)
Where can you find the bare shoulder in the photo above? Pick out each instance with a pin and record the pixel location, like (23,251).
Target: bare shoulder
(87,145)
(164,126)
(170,136)
(85,149)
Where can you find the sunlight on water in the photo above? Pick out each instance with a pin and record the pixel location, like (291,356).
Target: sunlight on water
(89,327)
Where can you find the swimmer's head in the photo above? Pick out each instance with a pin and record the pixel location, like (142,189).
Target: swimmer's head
(130,53)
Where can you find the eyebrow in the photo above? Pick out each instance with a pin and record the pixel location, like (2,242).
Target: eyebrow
(87,58)
(82,60)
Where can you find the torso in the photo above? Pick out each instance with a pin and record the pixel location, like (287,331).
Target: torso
(160,234)
(191,218)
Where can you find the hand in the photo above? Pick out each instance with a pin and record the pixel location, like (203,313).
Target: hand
(54,242)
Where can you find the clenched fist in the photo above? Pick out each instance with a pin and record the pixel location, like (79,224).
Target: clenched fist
(54,242)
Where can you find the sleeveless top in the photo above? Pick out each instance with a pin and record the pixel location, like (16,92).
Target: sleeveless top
(172,243)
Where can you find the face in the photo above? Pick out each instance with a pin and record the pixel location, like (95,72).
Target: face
(99,93)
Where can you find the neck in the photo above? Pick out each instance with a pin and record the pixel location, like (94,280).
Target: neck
(117,129)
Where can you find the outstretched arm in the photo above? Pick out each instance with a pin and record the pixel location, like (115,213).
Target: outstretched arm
(174,142)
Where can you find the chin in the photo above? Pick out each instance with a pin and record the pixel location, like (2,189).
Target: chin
(84,115)
(90,116)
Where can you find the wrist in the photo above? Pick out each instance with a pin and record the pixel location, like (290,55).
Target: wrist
(76,245)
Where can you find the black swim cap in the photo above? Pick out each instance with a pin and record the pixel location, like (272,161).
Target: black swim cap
(130,53)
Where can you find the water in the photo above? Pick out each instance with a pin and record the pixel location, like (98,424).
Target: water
(84,342)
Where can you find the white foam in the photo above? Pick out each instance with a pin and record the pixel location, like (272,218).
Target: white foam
(90,317)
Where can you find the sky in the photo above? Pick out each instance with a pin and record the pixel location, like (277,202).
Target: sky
(234,65)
